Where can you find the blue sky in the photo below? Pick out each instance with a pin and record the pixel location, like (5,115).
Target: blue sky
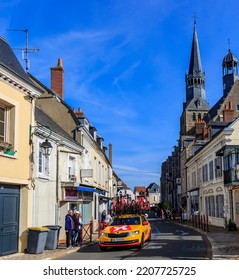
(125,63)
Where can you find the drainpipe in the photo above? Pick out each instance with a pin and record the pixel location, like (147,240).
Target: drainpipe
(57,186)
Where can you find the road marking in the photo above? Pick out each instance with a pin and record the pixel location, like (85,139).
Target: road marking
(182,232)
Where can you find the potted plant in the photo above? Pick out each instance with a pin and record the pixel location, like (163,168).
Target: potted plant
(4,145)
(73,178)
(9,150)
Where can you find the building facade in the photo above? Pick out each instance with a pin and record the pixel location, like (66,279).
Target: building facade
(17,100)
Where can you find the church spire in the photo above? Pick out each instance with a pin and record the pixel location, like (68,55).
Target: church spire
(195,59)
(195,78)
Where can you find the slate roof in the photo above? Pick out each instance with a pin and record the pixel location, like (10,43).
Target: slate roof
(154,188)
(195,60)
(45,120)
(198,103)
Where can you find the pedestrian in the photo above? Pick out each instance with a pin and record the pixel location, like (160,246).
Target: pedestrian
(108,218)
(77,218)
(103,216)
(69,227)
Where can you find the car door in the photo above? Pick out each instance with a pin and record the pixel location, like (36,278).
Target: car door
(145,227)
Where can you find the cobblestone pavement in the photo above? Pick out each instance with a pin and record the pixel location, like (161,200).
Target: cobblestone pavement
(225,246)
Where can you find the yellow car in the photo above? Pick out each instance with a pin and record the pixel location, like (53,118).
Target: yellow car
(128,230)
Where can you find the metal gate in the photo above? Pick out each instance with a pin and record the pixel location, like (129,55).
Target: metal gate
(9,219)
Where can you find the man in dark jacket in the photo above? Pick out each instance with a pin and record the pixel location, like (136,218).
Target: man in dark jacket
(69,227)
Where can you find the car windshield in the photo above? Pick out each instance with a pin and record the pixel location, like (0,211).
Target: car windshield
(126,221)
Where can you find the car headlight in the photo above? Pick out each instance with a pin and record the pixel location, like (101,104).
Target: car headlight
(104,234)
(133,232)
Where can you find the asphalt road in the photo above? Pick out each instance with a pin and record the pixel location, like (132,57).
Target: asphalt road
(169,241)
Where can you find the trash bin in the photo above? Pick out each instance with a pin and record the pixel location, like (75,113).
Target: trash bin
(52,237)
(36,240)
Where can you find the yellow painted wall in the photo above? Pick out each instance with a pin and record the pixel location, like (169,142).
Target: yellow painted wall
(16,169)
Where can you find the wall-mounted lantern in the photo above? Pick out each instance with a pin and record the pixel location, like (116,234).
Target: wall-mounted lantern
(41,130)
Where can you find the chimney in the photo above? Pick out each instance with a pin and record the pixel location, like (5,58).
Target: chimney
(228,113)
(110,154)
(201,130)
(79,113)
(57,79)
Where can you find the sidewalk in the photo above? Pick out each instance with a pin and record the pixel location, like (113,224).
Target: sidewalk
(225,245)
(50,254)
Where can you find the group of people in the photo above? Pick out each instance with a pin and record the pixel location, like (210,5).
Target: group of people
(73,228)
(74,224)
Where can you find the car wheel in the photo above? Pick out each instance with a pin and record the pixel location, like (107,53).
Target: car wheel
(103,248)
(142,242)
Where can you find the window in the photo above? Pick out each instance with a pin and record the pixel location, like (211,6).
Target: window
(212,206)
(2,124)
(204,173)
(207,205)
(194,116)
(219,205)
(218,167)
(211,170)
(43,163)
(7,122)
(71,167)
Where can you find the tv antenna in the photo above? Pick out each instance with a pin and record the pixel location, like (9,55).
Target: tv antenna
(26,50)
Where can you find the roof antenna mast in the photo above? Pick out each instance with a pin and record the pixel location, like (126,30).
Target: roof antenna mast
(26,50)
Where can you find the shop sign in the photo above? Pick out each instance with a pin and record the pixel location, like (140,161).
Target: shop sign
(71,194)
(74,194)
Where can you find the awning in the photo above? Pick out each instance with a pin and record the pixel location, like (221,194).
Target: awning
(88,189)
(226,147)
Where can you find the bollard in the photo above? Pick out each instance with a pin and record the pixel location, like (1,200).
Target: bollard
(91,230)
(98,229)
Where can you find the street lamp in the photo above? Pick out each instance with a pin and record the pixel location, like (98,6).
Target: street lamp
(46,145)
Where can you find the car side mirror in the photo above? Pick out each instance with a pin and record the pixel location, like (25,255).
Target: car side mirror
(145,223)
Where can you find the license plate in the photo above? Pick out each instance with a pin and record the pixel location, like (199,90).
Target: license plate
(117,239)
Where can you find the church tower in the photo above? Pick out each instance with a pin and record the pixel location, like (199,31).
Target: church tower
(196,105)
(194,109)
